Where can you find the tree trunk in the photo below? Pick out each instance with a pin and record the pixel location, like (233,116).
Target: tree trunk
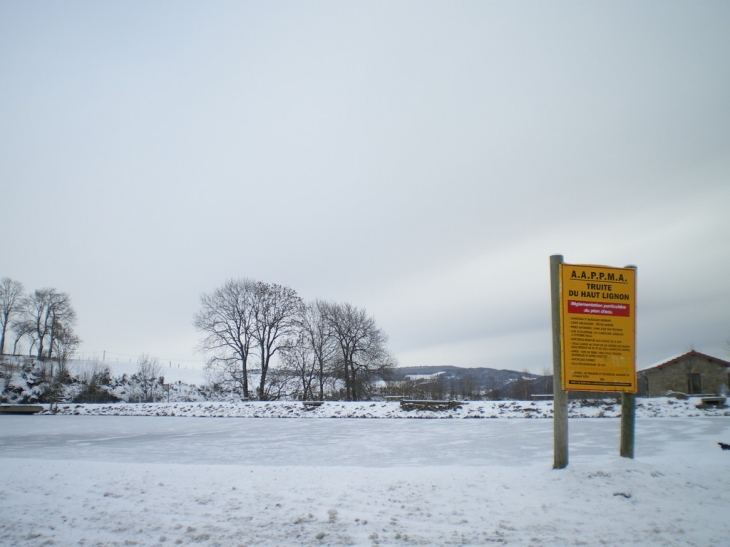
(348,390)
(353,382)
(244,368)
(264,370)
(50,341)
(2,339)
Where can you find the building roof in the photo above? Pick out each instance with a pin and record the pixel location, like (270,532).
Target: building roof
(684,356)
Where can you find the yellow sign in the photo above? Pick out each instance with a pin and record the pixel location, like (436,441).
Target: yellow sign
(598,328)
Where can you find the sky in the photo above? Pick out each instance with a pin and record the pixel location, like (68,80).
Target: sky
(421,160)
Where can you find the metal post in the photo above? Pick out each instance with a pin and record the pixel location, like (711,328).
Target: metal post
(560,397)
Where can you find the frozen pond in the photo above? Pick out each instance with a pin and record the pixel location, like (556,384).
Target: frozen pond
(115,481)
(334,442)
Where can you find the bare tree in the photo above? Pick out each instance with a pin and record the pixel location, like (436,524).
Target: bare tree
(437,387)
(51,314)
(148,375)
(524,386)
(318,336)
(300,362)
(278,384)
(23,329)
(319,340)
(92,375)
(37,315)
(11,297)
(362,351)
(63,318)
(469,386)
(226,317)
(65,344)
(276,309)
(310,355)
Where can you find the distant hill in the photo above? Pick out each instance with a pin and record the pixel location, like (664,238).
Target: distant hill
(483,380)
(500,376)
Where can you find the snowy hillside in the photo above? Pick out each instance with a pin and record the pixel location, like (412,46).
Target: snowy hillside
(27,380)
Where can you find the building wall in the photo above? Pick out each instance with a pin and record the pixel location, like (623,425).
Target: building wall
(676,376)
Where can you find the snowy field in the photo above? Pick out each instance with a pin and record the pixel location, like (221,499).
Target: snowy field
(160,481)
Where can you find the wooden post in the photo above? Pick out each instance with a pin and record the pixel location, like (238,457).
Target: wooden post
(628,421)
(560,397)
(628,415)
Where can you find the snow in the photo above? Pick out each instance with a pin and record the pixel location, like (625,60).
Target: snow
(645,408)
(159,481)
(419,377)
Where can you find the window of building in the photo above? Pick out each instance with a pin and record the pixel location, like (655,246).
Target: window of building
(694,383)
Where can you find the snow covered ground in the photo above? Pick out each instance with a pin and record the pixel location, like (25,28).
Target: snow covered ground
(160,481)
(645,408)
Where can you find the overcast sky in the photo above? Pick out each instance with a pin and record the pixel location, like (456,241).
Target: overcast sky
(422,160)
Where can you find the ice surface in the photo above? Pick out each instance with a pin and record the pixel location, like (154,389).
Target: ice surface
(157,481)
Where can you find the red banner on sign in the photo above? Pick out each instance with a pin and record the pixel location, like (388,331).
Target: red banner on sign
(598,308)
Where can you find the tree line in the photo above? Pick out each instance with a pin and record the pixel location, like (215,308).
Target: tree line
(45,319)
(323,348)
(251,330)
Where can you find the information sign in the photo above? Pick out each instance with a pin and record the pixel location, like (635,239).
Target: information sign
(598,328)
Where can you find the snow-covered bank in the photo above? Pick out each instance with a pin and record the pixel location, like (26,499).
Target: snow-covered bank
(612,504)
(645,408)
(154,482)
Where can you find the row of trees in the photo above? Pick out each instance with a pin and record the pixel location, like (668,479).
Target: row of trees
(45,318)
(321,345)
(470,385)
(318,346)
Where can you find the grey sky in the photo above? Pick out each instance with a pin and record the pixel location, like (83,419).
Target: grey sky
(420,159)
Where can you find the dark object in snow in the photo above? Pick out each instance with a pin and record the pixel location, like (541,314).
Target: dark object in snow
(724,446)
(20,409)
(712,402)
(428,404)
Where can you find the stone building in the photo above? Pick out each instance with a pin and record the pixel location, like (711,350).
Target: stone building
(693,373)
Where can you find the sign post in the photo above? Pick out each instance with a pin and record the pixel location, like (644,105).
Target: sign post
(594,342)
(560,396)
(628,423)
